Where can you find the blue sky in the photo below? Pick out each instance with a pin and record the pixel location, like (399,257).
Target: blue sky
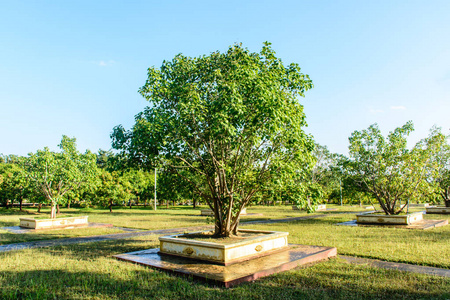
(74,67)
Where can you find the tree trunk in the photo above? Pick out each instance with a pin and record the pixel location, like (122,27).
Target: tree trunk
(39,207)
(110,206)
(447,203)
(20,203)
(130,203)
(193,202)
(167,203)
(57,209)
(53,212)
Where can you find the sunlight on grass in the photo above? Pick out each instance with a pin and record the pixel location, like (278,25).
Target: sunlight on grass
(87,271)
(423,247)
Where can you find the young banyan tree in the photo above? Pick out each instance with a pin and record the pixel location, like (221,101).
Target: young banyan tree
(227,123)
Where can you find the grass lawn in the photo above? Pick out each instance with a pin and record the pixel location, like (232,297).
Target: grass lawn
(10,238)
(424,247)
(87,271)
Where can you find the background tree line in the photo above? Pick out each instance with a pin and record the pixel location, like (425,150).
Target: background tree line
(378,170)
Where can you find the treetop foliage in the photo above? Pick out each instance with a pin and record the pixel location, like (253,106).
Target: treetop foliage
(232,118)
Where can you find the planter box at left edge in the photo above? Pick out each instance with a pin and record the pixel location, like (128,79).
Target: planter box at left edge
(53,223)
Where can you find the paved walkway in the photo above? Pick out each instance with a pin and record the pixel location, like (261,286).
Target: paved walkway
(117,236)
(397,266)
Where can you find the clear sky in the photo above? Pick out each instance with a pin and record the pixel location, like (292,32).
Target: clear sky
(74,67)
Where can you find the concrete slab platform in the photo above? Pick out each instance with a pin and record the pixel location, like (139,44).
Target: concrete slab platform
(231,275)
(423,224)
(18,229)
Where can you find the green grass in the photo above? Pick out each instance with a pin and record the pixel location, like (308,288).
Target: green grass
(424,247)
(147,218)
(87,271)
(11,238)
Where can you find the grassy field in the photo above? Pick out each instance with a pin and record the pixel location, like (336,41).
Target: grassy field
(87,271)
(424,247)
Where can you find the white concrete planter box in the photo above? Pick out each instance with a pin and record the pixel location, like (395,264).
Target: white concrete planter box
(263,243)
(318,207)
(208,212)
(381,218)
(321,207)
(53,223)
(438,210)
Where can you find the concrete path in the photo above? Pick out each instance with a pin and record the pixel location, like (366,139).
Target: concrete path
(397,266)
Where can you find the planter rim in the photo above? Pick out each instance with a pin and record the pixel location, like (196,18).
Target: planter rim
(269,235)
(376,213)
(33,219)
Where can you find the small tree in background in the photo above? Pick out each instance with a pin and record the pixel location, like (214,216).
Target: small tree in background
(13,184)
(56,173)
(387,169)
(114,189)
(138,181)
(440,175)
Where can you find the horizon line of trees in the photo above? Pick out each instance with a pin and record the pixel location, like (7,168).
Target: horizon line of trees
(378,170)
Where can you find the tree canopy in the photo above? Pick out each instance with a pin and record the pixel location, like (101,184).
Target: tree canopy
(233,119)
(56,173)
(387,169)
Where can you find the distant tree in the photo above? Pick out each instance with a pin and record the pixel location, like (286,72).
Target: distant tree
(114,189)
(56,173)
(172,187)
(440,174)
(387,169)
(14,185)
(232,118)
(139,181)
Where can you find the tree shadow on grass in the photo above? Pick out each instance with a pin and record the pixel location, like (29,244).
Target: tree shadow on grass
(92,251)
(12,238)
(330,280)
(9,223)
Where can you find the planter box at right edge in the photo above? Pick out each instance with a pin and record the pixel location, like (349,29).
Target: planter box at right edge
(438,210)
(381,218)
